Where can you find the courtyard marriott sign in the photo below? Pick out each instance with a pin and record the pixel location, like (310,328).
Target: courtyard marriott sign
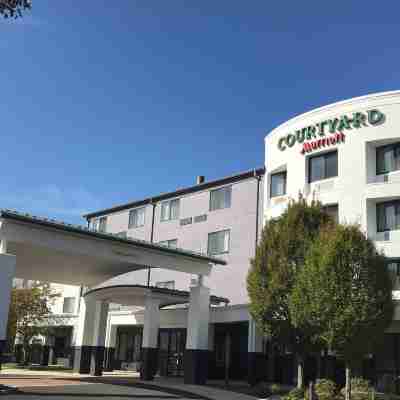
(330,131)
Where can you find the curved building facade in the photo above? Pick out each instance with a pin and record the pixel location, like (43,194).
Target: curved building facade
(346,155)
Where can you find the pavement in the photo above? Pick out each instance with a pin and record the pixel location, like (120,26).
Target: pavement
(53,385)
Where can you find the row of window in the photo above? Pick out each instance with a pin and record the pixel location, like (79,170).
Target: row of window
(218,242)
(170,210)
(324,166)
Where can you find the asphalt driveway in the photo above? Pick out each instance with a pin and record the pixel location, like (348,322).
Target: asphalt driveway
(85,391)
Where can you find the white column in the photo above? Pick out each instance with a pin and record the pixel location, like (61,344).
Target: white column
(99,337)
(150,338)
(111,341)
(256,359)
(7,274)
(84,335)
(197,352)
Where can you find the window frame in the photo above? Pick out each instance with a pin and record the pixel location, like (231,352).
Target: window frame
(73,304)
(224,188)
(325,207)
(178,200)
(136,210)
(385,204)
(325,156)
(221,252)
(162,283)
(270,184)
(393,146)
(394,260)
(166,243)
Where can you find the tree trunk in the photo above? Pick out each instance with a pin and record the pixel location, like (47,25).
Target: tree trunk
(348,382)
(271,363)
(319,365)
(300,372)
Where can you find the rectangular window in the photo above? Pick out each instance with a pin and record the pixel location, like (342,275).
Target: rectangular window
(388,158)
(388,216)
(218,242)
(323,166)
(99,224)
(69,305)
(220,198)
(170,210)
(394,267)
(332,211)
(171,244)
(166,285)
(278,184)
(136,217)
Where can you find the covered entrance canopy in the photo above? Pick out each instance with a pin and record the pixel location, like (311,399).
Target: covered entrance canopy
(56,252)
(47,250)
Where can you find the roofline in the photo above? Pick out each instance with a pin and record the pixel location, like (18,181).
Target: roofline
(51,223)
(155,289)
(180,192)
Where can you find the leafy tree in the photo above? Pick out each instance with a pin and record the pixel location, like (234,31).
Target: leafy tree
(29,313)
(279,257)
(13,8)
(343,294)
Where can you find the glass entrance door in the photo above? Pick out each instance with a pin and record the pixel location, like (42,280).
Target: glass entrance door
(172,348)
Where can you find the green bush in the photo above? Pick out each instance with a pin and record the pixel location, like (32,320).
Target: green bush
(325,389)
(360,389)
(295,394)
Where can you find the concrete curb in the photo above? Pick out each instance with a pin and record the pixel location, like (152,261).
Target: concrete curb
(7,390)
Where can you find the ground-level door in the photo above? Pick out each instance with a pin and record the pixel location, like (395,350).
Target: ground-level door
(172,343)
(128,347)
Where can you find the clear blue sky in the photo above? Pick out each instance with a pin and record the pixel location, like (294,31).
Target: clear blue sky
(103,102)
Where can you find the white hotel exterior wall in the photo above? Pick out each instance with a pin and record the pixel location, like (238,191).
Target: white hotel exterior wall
(357,188)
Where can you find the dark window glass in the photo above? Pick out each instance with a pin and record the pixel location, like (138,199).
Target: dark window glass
(393,267)
(333,212)
(323,166)
(387,158)
(278,184)
(388,216)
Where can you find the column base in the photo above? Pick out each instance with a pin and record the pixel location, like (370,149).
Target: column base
(96,361)
(45,356)
(196,366)
(82,359)
(256,368)
(2,349)
(109,359)
(149,363)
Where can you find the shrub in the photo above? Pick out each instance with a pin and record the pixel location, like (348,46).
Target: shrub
(360,389)
(295,394)
(325,389)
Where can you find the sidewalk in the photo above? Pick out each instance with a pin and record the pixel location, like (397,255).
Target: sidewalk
(173,385)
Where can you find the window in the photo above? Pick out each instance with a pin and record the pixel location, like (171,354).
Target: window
(394,267)
(387,158)
(99,224)
(171,244)
(69,305)
(170,210)
(388,216)
(332,211)
(166,285)
(278,184)
(136,217)
(218,242)
(220,198)
(323,166)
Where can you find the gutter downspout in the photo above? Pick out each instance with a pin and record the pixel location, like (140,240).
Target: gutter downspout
(151,239)
(258,177)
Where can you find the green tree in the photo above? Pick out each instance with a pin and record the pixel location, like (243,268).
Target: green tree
(279,257)
(343,294)
(13,8)
(29,314)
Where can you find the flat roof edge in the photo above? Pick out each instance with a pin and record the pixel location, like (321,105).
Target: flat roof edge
(180,192)
(51,223)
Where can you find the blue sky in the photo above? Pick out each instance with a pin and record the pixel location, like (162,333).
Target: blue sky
(105,102)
